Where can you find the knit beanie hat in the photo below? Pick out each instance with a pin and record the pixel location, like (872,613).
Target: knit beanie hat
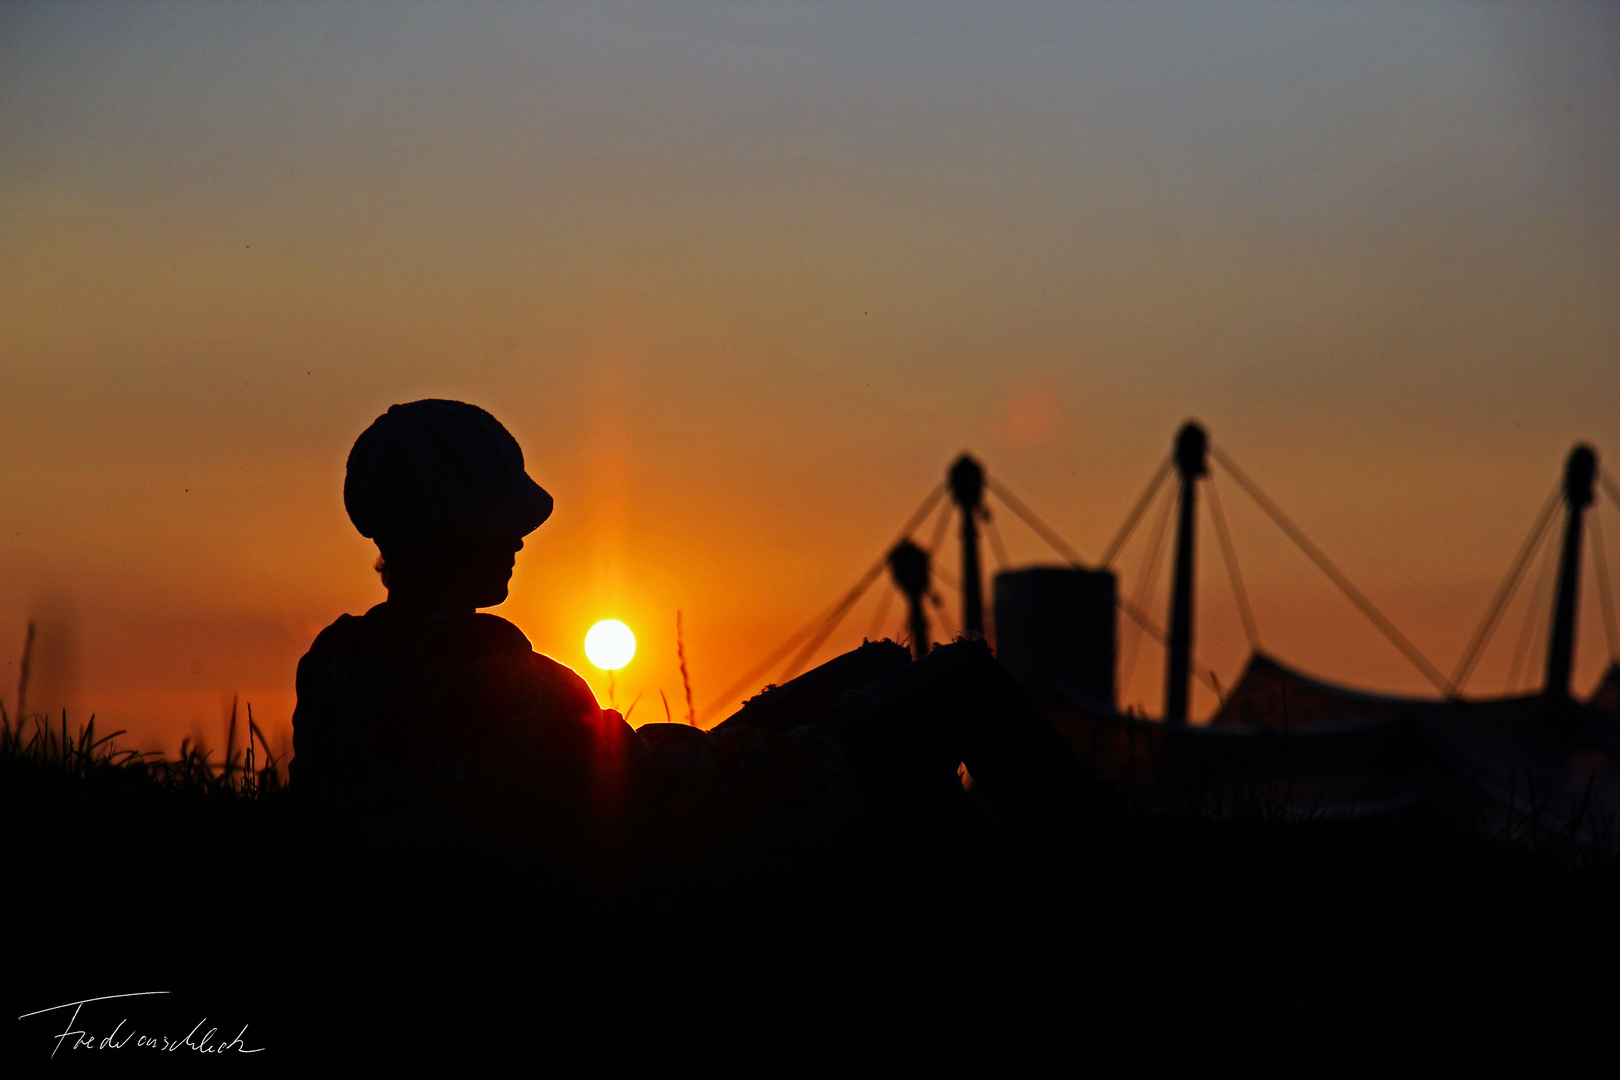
(434,471)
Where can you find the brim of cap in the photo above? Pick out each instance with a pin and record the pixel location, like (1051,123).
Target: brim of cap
(519,514)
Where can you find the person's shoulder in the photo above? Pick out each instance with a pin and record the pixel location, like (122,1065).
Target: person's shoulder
(333,639)
(480,634)
(521,665)
(561,677)
(496,629)
(341,627)
(321,667)
(557,667)
(493,652)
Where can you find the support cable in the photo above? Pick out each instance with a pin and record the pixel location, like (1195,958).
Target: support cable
(1230,553)
(1531,634)
(945,623)
(766,664)
(1609,485)
(831,619)
(1136,513)
(1044,530)
(1505,592)
(882,615)
(1613,489)
(1324,564)
(1147,579)
(1605,597)
(936,571)
(943,616)
(1062,547)
(1156,632)
(940,526)
(996,546)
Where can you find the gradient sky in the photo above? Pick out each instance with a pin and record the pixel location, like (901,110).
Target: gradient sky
(743,279)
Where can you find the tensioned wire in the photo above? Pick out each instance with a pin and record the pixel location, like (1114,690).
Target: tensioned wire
(830,621)
(996,547)
(827,622)
(886,599)
(1047,533)
(1147,578)
(1505,593)
(1334,574)
(1250,631)
(1605,597)
(1125,530)
(1531,631)
(838,613)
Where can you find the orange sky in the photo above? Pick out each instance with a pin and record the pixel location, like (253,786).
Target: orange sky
(743,280)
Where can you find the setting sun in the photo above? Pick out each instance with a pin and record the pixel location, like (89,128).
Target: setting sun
(610,644)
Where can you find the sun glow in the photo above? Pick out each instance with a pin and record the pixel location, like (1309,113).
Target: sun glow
(610,644)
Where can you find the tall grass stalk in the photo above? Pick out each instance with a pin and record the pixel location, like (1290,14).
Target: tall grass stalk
(686,679)
(22,677)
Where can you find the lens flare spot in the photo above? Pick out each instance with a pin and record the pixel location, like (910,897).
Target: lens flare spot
(610,644)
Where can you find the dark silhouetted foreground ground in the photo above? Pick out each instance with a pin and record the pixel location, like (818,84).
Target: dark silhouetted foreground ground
(518,931)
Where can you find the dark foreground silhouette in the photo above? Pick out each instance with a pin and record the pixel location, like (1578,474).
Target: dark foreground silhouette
(339,937)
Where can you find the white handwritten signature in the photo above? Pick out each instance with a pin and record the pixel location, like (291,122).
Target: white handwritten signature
(118,1038)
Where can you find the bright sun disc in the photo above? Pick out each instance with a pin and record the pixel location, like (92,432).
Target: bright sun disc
(610,644)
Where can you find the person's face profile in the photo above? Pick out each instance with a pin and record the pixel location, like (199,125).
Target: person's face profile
(490,564)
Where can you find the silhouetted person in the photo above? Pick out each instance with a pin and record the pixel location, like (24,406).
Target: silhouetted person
(424,694)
